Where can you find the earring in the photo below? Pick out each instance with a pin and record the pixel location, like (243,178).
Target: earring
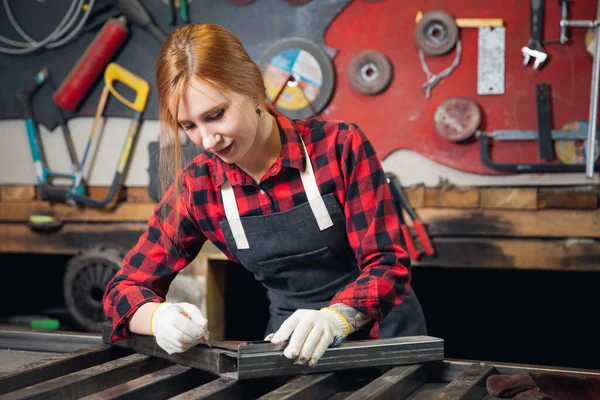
(259,112)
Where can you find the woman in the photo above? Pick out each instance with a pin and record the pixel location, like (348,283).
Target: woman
(301,204)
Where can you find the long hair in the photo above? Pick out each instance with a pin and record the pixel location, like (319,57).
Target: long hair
(208,52)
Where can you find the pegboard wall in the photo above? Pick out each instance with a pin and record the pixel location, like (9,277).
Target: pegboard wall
(398,118)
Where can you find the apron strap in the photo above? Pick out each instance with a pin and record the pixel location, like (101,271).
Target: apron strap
(314,196)
(233,216)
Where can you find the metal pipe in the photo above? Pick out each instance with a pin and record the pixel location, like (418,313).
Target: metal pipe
(563,17)
(591,140)
(576,23)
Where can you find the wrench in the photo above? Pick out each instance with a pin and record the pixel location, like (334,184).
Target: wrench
(534,48)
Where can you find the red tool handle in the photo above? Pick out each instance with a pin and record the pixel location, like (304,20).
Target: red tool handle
(412,250)
(424,237)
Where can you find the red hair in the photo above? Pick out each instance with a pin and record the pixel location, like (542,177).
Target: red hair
(210,53)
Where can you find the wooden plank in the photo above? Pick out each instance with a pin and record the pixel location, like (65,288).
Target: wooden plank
(560,255)
(453,197)
(18,238)
(415,195)
(509,198)
(124,212)
(509,223)
(101,192)
(567,198)
(17,192)
(139,195)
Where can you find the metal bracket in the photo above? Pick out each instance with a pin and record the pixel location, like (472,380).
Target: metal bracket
(490,60)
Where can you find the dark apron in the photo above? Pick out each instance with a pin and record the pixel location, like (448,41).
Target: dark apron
(303,266)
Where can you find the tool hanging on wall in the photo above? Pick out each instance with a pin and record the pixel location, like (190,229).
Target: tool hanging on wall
(182,5)
(75,193)
(91,64)
(457,118)
(402,203)
(436,33)
(299,76)
(534,48)
(491,45)
(544,135)
(370,72)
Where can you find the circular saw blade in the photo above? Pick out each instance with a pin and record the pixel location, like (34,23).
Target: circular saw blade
(299,75)
(573,152)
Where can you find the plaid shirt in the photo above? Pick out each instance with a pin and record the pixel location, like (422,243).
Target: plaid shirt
(345,164)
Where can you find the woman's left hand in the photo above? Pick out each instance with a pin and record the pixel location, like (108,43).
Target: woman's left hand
(310,333)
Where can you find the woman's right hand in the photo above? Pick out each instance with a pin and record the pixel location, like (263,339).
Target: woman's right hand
(178,326)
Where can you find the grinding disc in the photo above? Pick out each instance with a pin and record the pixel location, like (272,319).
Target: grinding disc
(370,72)
(590,41)
(573,152)
(297,2)
(436,33)
(311,72)
(457,118)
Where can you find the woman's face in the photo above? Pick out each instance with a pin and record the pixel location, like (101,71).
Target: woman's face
(223,124)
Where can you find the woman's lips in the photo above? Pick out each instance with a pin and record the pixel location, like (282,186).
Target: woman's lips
(225,151)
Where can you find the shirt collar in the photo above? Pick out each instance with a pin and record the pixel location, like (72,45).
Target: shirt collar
(292,154)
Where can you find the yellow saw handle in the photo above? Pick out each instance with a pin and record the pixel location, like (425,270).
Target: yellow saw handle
(114,72)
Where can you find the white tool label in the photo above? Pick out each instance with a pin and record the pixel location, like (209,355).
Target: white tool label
(490,60)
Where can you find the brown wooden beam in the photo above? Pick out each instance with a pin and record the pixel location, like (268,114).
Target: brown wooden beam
(511,223)
(561,255)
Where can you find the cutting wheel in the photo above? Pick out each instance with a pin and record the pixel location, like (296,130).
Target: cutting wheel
(299,77)
(573,152)
(457,118)
(436,33)
(590,41)
(370,72)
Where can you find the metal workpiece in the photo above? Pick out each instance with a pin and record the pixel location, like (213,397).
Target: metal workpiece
(397,383)
(39,340)
(256,360)
(247,360)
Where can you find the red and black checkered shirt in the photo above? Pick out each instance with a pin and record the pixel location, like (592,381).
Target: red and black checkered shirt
(345,164)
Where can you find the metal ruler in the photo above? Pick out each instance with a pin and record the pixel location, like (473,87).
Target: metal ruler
(490,60)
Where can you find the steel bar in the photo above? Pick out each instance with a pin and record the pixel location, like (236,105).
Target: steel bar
(90,380)
(591,140)
(309,387)
(267,360)
(58,365)
(55,342)
(450,369)
(219,389)
(256,360)
(470,385)
(161,384)
(398,383)
(213,360)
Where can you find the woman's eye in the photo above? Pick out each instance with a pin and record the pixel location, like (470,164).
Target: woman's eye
(217,116)
(187,128)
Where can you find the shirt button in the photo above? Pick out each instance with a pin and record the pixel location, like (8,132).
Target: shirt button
(262,191)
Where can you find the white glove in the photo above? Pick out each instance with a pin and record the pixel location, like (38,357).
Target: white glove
(178,326)
(312,332)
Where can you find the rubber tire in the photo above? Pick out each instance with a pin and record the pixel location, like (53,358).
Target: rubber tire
(445,20)
(385,72)
(83,301)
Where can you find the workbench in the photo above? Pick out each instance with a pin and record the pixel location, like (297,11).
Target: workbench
(81,365)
